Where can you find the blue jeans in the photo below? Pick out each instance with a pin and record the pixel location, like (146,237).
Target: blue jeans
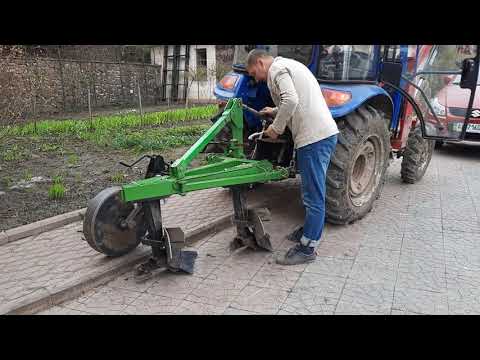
(313,161)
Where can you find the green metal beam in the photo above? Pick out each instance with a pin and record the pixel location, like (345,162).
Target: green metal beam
(163,186)
(233,116)
(210,168)
(221,171)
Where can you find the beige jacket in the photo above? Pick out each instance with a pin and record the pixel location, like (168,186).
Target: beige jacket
(300,103)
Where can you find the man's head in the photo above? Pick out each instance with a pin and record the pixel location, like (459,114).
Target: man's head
(258,63)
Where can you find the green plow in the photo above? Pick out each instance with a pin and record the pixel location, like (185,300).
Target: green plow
(118,219)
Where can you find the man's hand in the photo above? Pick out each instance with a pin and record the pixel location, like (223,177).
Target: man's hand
(268,111)
(271,133)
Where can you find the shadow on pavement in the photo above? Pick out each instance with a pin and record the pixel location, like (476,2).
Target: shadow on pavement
(460,151)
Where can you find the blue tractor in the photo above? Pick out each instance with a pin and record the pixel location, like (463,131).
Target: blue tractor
(383,98)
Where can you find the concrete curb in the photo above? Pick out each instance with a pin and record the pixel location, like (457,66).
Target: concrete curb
(41,301)
(41,226)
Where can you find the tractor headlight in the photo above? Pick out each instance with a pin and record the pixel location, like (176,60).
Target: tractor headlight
(229,81)
(437,107)
(336,97)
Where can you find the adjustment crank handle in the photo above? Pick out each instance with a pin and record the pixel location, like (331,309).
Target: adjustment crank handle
(136,162)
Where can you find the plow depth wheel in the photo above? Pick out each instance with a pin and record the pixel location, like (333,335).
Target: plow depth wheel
(104,227)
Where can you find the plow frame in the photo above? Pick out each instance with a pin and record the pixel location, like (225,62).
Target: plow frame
(229,169)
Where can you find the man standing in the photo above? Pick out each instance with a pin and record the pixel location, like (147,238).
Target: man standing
(302,107)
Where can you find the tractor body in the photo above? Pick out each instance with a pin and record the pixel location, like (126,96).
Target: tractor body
(361,83)
(380,96)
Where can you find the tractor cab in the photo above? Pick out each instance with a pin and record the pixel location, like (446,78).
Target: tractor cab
(346,74)
(444,88)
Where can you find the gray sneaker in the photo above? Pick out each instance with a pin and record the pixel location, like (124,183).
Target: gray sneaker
(295,256)
(296,234)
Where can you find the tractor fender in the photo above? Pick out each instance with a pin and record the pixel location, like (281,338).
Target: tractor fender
(361,94)
(257,96)
(240,89)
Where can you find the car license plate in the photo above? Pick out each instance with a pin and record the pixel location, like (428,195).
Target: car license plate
(472,128)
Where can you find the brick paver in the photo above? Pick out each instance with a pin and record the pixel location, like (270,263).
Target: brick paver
(46,262)
(417,252)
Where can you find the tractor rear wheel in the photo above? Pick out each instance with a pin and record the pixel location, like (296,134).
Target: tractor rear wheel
(417,156)
(357,169)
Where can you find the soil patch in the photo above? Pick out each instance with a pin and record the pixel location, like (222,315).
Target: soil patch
(83,168)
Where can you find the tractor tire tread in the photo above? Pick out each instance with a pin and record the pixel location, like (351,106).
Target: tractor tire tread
(411,168)
(353,128)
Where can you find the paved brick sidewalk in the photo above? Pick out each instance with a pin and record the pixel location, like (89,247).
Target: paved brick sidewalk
(41,264)
(418,252)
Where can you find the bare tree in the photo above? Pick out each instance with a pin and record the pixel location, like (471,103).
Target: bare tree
(216,73)
(221,69)
(36,80)
(224,60)
(198,75)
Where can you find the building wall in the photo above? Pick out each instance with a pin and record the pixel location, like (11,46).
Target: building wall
(203,90)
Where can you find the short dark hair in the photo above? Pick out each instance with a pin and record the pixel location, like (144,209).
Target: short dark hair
(256,54)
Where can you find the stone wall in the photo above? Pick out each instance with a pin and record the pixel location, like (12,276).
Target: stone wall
(61,86)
